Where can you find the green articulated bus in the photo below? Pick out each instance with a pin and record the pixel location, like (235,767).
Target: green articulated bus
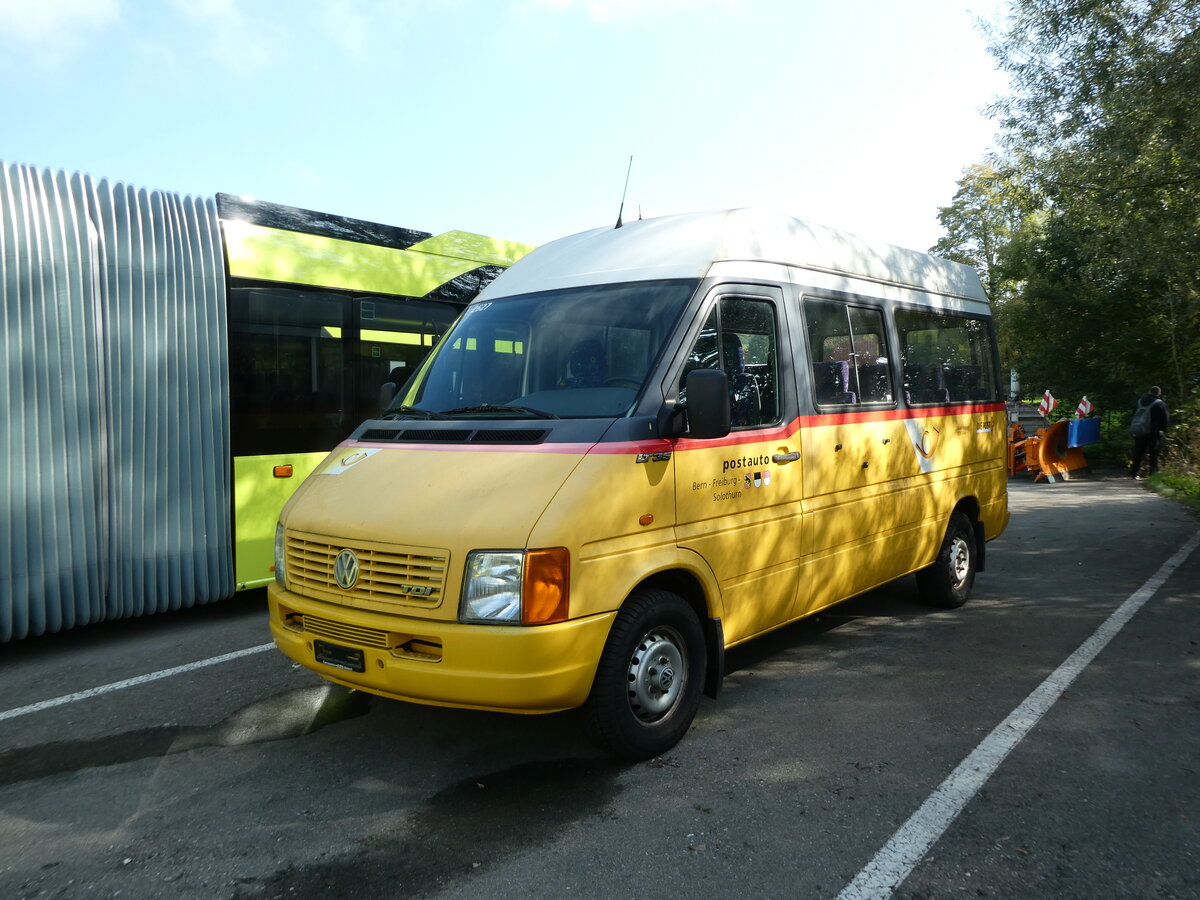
(172,369)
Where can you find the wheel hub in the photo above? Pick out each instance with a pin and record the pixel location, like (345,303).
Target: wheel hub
(960,562)
(656,677)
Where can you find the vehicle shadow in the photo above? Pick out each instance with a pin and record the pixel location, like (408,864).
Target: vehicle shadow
(896,600)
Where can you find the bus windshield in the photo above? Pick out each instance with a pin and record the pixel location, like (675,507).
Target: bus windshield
(574,353)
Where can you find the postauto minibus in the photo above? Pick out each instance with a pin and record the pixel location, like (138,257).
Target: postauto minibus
(639,447)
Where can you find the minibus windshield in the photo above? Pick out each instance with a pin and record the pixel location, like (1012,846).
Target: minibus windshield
(580,352)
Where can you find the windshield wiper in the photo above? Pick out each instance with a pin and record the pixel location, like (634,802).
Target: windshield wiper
(501,407)
(412,412)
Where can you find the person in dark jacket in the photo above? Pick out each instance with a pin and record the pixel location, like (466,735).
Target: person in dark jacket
(1150,421)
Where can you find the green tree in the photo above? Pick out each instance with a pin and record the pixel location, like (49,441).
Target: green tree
(1103,121)
(986,225)
(1086,226)
(988,210)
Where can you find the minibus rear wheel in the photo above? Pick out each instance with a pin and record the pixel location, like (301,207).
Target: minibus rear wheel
(947,582)
(650,676)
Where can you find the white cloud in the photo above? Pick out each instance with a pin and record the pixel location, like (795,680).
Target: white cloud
(54,29)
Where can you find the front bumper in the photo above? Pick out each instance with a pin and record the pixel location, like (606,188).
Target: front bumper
(505,668)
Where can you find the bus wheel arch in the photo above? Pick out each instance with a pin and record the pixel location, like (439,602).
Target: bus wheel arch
(688,586)
(969,506)
(947,581)
(650,676)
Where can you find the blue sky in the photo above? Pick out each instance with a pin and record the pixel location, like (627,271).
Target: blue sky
(514,118)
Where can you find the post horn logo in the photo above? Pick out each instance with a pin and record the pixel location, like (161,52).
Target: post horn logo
(345,569)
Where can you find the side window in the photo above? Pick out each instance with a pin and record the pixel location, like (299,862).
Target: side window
(741,337)
(287,386)
(946,358)
(299,382)
(850,353)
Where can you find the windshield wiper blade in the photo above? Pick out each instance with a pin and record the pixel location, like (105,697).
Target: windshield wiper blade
(413,412)
(502,407)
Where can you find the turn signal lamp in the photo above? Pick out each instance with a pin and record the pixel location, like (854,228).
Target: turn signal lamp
(547,586)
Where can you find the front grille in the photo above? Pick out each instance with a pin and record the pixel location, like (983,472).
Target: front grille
(350,634)
(388,576)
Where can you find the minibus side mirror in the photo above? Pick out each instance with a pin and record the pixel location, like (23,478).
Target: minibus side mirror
(707,403)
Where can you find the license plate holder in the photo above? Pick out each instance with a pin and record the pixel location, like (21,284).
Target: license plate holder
(348,659)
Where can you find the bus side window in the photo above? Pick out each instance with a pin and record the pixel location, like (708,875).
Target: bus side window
(947,358)
(286,369)
(741,337)
(870,374)
(850,353)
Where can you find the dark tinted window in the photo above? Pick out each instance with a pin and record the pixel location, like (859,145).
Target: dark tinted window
(946,358)
(287,386)
(307,366)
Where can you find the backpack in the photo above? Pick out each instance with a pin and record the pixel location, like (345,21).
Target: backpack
(1140,424)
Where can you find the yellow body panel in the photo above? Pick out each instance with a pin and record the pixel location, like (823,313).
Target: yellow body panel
(437,499)
(742,512)
(879,494)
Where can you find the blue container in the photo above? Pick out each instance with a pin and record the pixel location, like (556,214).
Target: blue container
(1082,432)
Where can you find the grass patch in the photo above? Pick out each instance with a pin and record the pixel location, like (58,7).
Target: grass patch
(1178,486)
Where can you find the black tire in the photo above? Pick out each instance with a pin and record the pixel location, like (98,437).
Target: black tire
(651,673)
(947,582)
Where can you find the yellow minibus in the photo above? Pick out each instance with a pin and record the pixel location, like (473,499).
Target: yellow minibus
(639,447)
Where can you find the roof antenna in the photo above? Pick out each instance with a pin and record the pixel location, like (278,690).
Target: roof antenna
(621,211)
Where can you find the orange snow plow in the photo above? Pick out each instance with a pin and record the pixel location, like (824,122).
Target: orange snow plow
(1052,454)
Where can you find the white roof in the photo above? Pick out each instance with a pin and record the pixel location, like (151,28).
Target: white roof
(686,246)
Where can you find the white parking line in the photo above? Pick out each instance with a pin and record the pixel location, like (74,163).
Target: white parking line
(131,682)
(908,846)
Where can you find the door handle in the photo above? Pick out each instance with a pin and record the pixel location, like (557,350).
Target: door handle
(781,458)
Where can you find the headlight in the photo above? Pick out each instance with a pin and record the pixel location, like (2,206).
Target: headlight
(516,587)
(492,587)
(279,573)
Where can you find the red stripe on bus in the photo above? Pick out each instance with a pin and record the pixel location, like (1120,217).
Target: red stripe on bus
(733,439)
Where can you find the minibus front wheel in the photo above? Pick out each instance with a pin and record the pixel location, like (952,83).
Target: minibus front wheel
(947,582)
(650,676)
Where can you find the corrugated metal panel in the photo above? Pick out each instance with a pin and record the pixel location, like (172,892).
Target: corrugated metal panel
(114,463)
(51,443)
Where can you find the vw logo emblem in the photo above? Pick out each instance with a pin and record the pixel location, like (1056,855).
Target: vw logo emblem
(345,569)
